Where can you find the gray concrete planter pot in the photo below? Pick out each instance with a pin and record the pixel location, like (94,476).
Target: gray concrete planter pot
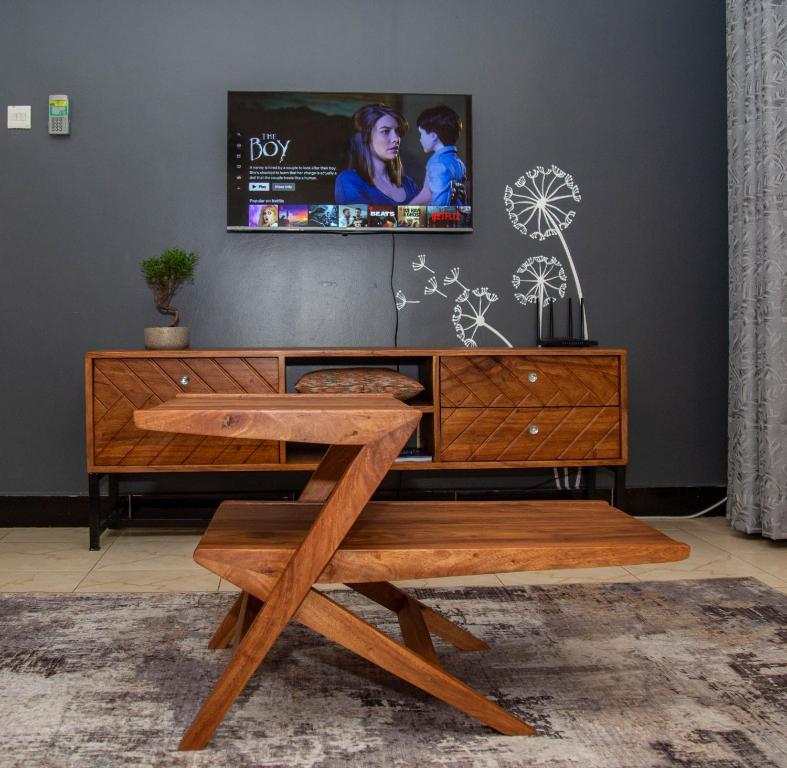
(167,337)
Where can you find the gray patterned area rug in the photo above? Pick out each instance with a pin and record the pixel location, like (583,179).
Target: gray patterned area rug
(690,674)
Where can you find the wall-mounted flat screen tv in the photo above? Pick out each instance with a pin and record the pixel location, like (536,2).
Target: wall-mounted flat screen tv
(349,162)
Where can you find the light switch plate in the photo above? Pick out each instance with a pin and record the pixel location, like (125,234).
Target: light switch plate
(19,117)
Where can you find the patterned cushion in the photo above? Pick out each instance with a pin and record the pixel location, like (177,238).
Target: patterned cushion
(336,380)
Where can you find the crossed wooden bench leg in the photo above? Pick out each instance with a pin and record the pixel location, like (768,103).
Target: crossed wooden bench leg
(237,621)
(413,615)
(416,620)
(345,480)
(333,621)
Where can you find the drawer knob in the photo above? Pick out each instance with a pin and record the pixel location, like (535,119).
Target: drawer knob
(532,376)
(185,380)
(533,429)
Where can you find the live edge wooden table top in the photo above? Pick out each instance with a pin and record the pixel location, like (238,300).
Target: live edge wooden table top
(276,551)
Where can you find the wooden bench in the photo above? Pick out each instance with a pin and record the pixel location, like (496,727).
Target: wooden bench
(394,541)
(276,552)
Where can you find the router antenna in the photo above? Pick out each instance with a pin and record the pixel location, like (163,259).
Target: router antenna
(570,321)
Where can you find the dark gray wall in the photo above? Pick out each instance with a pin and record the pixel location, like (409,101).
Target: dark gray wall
(626,95)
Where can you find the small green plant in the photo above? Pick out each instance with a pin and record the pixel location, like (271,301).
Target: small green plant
(164,274)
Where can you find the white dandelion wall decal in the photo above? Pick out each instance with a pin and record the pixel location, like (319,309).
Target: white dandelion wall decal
(402,301)
(542,279)
(468,316)
(454,278)
(542,209)
(431,287)
(420,263)
(471,308)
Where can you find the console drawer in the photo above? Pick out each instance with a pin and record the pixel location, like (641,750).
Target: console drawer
(529,380)
(530,434)
(121,385)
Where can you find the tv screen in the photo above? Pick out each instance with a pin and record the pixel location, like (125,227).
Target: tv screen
(349,162)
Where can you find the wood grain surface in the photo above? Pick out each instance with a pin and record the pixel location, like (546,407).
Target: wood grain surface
(118,381)
(350,352)
(330,419)
(529,380)
(530,434)
(418,540)
(119,386)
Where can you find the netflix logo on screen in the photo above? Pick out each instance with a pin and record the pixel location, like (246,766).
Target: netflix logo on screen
(442,217)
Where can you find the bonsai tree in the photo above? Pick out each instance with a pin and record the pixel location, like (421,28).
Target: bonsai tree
(164,274)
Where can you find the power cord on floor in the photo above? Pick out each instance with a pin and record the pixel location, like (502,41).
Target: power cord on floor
(687,517)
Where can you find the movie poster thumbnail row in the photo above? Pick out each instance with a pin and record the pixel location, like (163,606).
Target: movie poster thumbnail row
(355,216)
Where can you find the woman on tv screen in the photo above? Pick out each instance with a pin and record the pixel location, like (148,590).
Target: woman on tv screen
(375,175)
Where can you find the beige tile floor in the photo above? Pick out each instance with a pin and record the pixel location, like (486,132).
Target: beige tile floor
(154,560)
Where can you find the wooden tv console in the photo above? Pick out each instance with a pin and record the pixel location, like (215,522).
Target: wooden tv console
(484,408)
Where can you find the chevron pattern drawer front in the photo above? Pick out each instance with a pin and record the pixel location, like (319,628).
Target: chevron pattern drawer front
(529,381)
(530,434)
(120,385)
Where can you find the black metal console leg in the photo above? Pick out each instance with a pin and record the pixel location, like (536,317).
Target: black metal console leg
(94,490)
(620,487)
(590,482)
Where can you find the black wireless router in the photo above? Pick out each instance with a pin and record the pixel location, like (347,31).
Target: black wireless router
(563,341)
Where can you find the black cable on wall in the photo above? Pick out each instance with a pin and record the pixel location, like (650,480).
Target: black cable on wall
(393,292)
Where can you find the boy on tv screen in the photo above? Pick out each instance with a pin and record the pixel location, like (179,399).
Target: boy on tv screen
(446,175)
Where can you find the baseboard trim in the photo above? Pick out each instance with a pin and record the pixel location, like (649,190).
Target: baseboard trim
(72,511)
(675,502)
(43,511)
